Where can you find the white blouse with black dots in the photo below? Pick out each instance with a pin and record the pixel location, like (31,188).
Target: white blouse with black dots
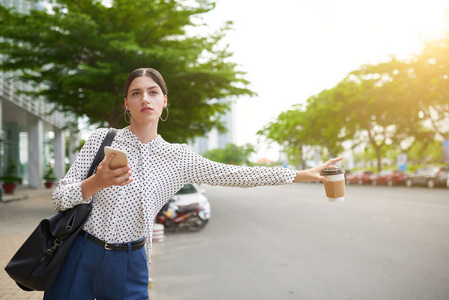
(159,169)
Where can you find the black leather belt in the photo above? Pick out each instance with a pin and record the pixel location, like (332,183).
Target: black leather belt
(115,246)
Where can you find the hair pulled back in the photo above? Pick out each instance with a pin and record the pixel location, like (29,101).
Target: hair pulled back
(152,73)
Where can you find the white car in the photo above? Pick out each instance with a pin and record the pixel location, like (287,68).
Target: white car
(191,194)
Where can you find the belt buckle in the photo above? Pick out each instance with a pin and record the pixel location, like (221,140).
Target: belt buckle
(107,247)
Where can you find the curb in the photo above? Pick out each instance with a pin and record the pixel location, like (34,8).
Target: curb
(13,197)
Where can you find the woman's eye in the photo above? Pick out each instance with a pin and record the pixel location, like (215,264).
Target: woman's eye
(135,94)
(153,92)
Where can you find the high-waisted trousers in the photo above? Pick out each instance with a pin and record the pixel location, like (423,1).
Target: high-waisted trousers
(91,272)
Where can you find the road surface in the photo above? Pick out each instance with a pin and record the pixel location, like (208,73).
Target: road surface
(289,242)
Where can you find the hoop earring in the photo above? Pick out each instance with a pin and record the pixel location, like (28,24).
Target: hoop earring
(127,113)
(160,117)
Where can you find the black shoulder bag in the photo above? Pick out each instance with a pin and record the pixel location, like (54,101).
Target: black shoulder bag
(39,260)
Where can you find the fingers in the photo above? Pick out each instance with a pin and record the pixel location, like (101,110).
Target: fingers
(123,180)
(108,177)
(332,161)
(324,179)
(316,173)
(107,160)
(121,176)
(328,165)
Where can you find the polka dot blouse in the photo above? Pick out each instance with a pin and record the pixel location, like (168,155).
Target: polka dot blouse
(159,169)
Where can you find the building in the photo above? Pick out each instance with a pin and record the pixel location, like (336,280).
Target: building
(215,139)
(32,135)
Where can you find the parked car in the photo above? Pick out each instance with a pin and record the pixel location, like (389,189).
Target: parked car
(390,177)
(191,193)
(430,176)
(360,177)
(189,208)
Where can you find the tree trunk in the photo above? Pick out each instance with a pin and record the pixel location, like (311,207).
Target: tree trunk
(378,149)
(379,158)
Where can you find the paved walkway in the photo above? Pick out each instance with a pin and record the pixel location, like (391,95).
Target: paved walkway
(19,216)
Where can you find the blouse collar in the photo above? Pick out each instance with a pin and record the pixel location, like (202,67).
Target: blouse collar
(128,135)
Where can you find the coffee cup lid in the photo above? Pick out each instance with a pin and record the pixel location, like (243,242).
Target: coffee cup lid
(333,171)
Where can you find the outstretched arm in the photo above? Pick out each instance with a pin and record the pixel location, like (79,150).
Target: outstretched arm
(315,174)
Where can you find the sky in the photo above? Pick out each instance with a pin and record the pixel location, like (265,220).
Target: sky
(293,49)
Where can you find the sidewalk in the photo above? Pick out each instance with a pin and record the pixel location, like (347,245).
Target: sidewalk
(19,215)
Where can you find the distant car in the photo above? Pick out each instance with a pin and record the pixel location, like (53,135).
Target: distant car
(192,194)
(360,177)
(390,177)
(429,176)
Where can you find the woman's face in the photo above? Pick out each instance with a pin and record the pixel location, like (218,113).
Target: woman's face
(145,100)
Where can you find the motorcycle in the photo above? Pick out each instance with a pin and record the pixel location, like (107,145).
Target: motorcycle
(187,209)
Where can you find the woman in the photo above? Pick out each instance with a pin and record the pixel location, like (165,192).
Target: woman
(108,261)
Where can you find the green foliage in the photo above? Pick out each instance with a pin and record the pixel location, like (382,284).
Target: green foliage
(424,152)
(322,120)
(431,85)
(49,174)
(79,54)
(291,131)
(9,174)
(231,154)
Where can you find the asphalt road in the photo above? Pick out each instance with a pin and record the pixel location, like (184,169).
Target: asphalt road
(289,242)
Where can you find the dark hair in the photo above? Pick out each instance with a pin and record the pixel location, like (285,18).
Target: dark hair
(152,73)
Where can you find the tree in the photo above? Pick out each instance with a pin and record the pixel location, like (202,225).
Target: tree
(372,105)
(231,154)
(431,85)
(290,131)
(79,53)
(325,115)
(387,106)
(381,111)
(318,124)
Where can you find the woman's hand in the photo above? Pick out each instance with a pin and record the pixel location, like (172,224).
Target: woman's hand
(105,177)
(315,174)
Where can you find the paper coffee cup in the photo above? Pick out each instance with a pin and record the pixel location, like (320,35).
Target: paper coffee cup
(335,188)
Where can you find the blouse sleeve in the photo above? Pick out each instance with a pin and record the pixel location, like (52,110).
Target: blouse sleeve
(199,169)
(68,192)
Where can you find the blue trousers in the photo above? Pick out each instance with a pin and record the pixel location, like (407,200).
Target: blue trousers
(91,272)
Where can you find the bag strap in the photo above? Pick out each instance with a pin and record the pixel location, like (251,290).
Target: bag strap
(100,153)
(61,237)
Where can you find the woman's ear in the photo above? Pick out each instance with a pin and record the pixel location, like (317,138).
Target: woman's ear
(165,101)
(126,103)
